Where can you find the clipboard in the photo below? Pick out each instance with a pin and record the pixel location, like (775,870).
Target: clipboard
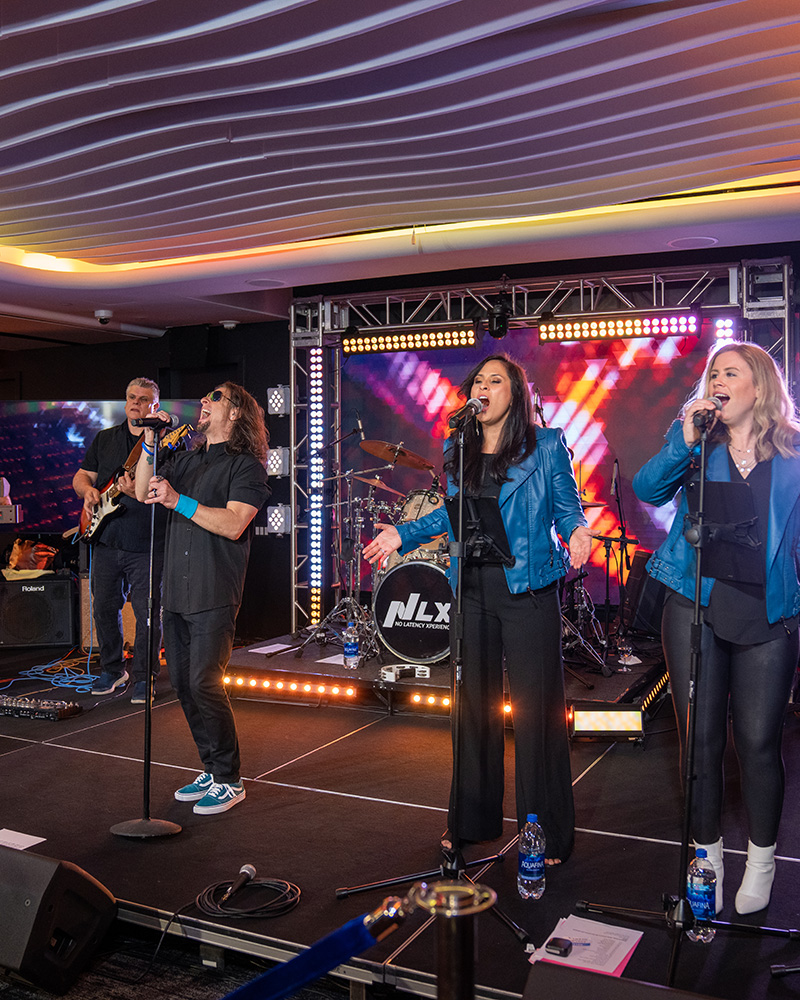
(732,550)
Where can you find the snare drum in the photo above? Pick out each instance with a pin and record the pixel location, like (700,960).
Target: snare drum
(416,505)
(411,608)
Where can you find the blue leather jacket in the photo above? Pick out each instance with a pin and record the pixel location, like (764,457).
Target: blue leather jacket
(539,502)
(673,563)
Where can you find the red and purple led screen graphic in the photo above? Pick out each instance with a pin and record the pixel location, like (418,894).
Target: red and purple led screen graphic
(613,400)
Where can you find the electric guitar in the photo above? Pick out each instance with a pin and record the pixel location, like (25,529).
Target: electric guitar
(108,505)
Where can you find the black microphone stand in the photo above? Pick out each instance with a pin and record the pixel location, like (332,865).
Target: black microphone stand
(678,911)
(453,865)
(147,827)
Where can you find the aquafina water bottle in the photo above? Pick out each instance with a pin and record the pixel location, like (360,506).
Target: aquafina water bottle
(530,874)
(701,892)
(350,642)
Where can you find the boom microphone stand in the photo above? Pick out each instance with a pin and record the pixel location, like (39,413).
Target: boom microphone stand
(146,827)
(453,865)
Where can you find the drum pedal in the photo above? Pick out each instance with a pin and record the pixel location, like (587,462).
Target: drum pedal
(396,673)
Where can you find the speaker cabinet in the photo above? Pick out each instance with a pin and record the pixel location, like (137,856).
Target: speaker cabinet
(88,627)
(53,916)
(37,612)
(644,597)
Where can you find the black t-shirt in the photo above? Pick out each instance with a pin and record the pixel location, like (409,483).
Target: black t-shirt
(203,570)
(737,612)
(129,528)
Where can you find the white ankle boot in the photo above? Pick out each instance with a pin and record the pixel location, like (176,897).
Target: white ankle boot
(714,855)
(756,887)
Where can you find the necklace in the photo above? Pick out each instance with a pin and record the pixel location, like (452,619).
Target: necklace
(743,463)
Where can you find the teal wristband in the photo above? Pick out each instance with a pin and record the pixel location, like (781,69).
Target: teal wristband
(186,506)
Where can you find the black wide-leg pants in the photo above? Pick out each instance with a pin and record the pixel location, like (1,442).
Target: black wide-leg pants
(526,629)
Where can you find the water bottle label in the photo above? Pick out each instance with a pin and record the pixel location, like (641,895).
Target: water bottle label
(531,865)
(350,649)
(702,899)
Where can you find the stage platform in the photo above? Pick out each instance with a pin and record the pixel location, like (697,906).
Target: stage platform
(272,671)
(338,798)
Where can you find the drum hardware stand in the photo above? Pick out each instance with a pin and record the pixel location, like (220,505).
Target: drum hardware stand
(623,540)
(453,865)
(678,913)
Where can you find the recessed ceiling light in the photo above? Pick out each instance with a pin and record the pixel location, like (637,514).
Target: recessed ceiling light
(692,242)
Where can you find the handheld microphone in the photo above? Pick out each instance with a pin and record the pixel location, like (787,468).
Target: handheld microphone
(246,874)
(360,426)
(614,478)
(471,408)
(157,422)
(704,418)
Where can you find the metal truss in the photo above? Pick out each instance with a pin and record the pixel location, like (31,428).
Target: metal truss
(760,293)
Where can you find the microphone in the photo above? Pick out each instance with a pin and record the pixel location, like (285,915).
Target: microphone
(704,418)
(471,408)
(614,478)
(360,426)
(157,422)
(246,874)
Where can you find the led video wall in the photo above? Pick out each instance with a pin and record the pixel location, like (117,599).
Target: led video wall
(613,400)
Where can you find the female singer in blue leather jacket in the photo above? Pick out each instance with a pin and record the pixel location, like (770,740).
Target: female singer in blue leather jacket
(511,611)
(749,644)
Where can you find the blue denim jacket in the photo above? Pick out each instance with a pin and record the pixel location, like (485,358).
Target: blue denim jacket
(538,503)
(658,481)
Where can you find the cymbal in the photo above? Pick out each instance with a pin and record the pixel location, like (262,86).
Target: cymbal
(380,485)
(586,504)
(395,454)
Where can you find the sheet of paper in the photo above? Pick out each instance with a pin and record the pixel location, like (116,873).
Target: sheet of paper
(596,947)
(336,658)
(276,647)
(19,841)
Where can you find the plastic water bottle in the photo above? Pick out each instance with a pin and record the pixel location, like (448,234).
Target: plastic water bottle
(701,892)
(350,638)
(530,874)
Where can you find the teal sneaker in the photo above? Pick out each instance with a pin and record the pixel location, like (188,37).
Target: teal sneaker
(197,789)
(219,798)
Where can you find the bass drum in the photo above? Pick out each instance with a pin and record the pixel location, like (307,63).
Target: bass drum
(416,505)
(411,608)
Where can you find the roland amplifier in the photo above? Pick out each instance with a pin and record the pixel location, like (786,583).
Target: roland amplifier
(38,612)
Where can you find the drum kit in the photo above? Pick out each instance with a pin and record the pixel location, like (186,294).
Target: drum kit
(411,594)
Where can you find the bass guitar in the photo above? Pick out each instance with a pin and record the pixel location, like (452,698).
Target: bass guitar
(91,524)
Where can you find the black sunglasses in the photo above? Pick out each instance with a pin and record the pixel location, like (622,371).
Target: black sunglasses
(217,395)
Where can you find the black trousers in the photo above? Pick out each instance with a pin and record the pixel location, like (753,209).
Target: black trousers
(116,576)
(753,683)
(526,629)
(198,648)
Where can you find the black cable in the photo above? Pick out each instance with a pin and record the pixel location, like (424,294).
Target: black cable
(283,897)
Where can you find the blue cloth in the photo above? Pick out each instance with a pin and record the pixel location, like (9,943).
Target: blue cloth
(673,563)
(538,503)
(350,939)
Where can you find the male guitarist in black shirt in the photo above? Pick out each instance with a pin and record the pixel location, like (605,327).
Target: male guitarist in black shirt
(120,554)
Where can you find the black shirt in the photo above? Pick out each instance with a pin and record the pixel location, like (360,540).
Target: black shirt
(128,529)
(737,612)
(203,570)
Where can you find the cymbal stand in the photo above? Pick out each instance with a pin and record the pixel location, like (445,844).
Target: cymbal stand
(581,603)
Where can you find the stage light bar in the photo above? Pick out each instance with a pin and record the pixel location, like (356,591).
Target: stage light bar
(410,338)
(316,485)
(617,327)
(292,687)
(597,719)
(726,327)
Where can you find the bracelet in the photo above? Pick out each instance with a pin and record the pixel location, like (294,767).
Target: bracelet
(186,506)
(147,449)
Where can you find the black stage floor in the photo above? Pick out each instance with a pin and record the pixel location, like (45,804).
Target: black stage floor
(343,796)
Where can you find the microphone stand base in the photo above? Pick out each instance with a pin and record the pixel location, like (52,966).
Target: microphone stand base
(143,829)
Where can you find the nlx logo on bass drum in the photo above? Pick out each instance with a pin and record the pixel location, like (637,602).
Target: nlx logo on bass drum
(411,606)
